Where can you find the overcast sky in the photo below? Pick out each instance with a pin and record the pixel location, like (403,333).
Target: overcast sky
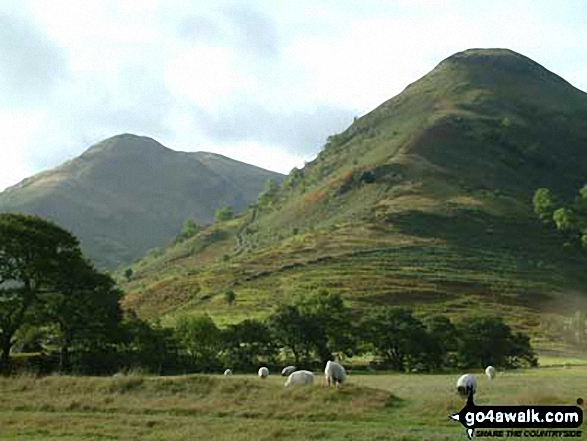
(264,82)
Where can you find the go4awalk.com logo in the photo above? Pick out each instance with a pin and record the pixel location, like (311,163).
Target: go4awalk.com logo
(519,421)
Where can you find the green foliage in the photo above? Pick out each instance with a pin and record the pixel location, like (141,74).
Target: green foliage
(148,347)
(544,204)
(564,220)
(224,213)
(299,333)
(571,222)
(83,306)
(443,335)
(190,229)
(330,312)
(201,339)
(32,252)
(397,336)
(247,344)
(489,341)
(314,324)
(128,274)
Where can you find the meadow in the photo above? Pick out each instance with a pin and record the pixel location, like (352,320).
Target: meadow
(380,406)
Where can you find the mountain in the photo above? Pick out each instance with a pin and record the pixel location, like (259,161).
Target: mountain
(424,202)
(128,194)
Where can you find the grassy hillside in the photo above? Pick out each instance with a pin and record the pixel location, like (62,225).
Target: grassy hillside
(371,407)
(425,201)
(128,194)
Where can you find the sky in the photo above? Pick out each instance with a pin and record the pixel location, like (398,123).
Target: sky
(263,82)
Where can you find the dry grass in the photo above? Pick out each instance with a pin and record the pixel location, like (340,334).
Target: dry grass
(370,407)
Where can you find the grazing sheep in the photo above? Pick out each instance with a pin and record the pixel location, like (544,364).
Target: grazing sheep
(300,378)
(467,385)
(263,372)
(227,373)
(334,373)
(491,372)
(287,371)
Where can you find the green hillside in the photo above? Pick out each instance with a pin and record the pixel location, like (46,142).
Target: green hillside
(424,201)
(128,194)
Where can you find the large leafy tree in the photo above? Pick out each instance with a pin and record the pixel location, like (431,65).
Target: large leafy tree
(83,305)
(487,341)
(442,340)
(397,336)
(201,339)
(330,312)
(298,332)
(148,346)
(31,250)
(246,342)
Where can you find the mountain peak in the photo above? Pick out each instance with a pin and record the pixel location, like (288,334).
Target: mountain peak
(493,64)
(492,57)
(126,142)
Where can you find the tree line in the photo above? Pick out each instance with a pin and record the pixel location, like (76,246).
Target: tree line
(54,302)
(316,327)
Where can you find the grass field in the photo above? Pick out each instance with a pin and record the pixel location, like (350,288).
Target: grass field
(370,407)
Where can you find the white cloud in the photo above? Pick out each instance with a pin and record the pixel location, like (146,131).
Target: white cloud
(17,131)
(206,76)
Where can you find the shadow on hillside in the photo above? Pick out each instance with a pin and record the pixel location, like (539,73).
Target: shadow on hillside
(525,248)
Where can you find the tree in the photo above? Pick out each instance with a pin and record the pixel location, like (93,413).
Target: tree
(397,336)
(30,252)
(224,213)
(148,346)
(128,274)
(544,204)
(83,305)
(201,339)
(299,332)
(246,342)
(190,228)
(329,311)
(444,339)
(489,341)
(565,221)
(570,221)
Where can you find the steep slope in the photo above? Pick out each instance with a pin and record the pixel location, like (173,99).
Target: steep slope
(424,201)
(128,194)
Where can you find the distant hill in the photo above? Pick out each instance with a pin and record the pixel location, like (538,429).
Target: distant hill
(129,193)
(425,201)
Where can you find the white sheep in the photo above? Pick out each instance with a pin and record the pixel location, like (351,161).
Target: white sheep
(334,373)
(491,372)
(300,378)
(467,385)
(227,373)
(263,372)
(287,371)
